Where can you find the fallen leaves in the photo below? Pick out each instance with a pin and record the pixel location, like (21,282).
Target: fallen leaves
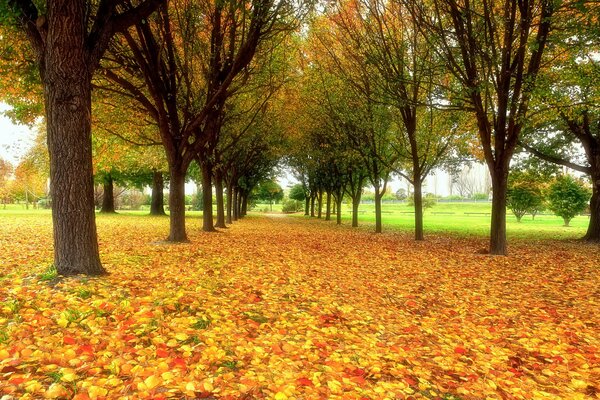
(291,309)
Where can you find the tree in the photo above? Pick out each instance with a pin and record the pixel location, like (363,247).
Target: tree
(6,170)
(568,197)
(297,192)
(270,191)
(66,68)
(495,50)
(525,196)
(568,104)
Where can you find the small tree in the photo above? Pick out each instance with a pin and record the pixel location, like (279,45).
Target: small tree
(297,192)
(525,197)
(269,191)
(568,197)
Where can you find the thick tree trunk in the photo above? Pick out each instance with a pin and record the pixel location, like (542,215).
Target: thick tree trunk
(108,196)
(177,206)
(328,207)
(229,204)
(355,204)
(338,210)
(498,222)
(158,198)
(418,200)
(244,210)
(306,206)
(220,203)
(312,205)
(378,225)
(207,211)
(67,93)
(593,231)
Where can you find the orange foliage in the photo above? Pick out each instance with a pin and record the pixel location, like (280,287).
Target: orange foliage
(283,308)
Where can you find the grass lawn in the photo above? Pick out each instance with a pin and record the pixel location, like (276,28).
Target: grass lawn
(465,219)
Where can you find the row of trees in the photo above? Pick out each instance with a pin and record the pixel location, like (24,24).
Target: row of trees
(199,74)
(403,87)
(362,90)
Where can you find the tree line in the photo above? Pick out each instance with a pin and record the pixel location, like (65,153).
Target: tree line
(346,93)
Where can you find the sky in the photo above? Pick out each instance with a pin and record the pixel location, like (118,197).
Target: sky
(15,140)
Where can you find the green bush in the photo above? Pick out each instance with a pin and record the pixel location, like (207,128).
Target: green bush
(480,196)
(290,206)
(429,200)
(568,197)
(525,197)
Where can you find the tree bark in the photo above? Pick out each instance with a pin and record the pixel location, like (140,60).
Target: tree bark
(378,196)
(229,204)
(244,210)
(328,207)
(498,223)
(338,210)
(593,231)
(108,196)
(235,204)
(67,94)
(158,198)
(207,212)
(320,204)
(355,204)
(177,206)
(220,203)
(306,206)
(418,200)
(312,205)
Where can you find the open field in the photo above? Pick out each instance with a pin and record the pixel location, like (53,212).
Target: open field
(465,219)
(284,308)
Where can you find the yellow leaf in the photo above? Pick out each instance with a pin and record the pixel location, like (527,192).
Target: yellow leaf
(152,381)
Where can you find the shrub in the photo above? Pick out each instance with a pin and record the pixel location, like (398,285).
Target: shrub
(480,196)
(429,200)
(568,197)
(525,197)
(290,206)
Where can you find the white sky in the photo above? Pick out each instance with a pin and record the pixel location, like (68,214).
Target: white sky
(15,140)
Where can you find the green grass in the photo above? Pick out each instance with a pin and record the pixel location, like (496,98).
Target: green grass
(400,217)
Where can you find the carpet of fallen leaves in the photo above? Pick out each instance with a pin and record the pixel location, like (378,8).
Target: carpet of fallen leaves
(284,308)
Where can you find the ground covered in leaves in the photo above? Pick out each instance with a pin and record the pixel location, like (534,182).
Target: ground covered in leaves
(284,308)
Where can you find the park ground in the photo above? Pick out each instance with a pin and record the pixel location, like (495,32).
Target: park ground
(291,308)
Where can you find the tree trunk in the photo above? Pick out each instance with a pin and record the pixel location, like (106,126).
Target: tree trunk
(158,198)
(108,196)
(235,204)
(338,210)
(320,204)
(229,204)
(328,207)
(207,212)
(306,206)
(498,222)
(177,206)
(418,200)
(244,211)
(220,203)
(593,231)
(312,205)
(67,95)
(378,196)
(355,204)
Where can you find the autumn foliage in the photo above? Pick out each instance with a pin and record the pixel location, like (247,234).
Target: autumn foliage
(284,308)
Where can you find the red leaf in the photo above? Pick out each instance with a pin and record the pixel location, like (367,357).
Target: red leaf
(460,350)
(161,353)
(304,382)
(69,340)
